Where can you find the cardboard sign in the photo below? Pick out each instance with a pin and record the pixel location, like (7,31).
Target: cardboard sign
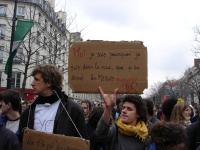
(35,140)
(107,64)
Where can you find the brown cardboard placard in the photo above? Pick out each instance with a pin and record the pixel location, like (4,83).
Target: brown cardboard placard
(35,140)
(107,64)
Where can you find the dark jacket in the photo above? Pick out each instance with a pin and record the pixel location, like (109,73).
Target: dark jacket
(3,120)
(62,124)
(115,140)
(193,132)
(8,139)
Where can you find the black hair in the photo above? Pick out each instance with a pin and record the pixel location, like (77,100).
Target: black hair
(12,97)
(94,116)
(167,134)
(150,106)
(139,105)
(88,103)
(167,107)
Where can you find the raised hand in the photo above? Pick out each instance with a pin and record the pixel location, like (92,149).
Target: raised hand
(109,101)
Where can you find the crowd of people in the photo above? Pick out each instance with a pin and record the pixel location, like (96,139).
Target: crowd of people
(120,122)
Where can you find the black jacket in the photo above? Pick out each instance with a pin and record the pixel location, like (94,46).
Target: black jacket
(8,139)
(62,124)
(193,132)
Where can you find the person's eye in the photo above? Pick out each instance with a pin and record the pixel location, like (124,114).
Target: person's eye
(129,109)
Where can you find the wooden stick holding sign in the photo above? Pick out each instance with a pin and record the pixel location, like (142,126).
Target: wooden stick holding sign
(35,140)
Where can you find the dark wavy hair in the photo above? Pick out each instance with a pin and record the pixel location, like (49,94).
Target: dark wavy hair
(12,97)
(50,74)
(139,105)
(165,135)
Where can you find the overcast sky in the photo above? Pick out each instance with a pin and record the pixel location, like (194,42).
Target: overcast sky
(165,26)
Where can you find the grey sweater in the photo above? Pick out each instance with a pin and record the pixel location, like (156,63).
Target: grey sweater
(116,140)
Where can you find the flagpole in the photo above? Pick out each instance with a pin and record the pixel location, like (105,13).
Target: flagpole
(9,75)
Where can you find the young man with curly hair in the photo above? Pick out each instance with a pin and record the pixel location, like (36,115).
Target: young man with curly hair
(52,111)
(130,130)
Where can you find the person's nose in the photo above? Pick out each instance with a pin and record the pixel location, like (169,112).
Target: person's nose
(124,110)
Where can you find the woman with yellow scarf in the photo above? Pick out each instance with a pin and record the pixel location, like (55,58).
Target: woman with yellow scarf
(130,131)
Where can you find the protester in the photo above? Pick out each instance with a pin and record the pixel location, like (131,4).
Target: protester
(11,109)
(151,118)
(167,108)
(52,111)
(118,107)
(195,115)
(193,132)
(181,114)
(87,108)
(95,143)
(168,136)
(130,130)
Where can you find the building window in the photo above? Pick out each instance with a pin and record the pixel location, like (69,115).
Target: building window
(21,11)
(39,18)
(3,10)
(51,29)
(19,56)
(2,31)
(1,54)
(63,57)
(16,79)
(37,57)
(45,24)
(39,2)
(44,42)
(59,54)
(44,59)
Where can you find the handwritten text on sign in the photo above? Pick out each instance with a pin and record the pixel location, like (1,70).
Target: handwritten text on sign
(111,65)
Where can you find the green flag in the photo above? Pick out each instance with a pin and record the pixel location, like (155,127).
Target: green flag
(22,28)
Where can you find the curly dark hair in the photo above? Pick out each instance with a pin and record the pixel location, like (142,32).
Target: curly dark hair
(50,74)
(165,135)
(139,105)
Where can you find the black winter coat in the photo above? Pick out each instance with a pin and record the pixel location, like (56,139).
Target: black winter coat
(62,124)
(193,132)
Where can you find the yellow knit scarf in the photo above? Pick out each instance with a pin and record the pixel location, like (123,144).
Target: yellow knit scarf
(139,130)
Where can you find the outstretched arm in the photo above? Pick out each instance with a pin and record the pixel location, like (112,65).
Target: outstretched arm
(110,101)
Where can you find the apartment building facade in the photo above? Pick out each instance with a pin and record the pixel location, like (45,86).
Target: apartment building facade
(47,43)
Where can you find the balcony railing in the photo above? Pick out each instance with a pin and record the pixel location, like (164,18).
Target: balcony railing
(46,8)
